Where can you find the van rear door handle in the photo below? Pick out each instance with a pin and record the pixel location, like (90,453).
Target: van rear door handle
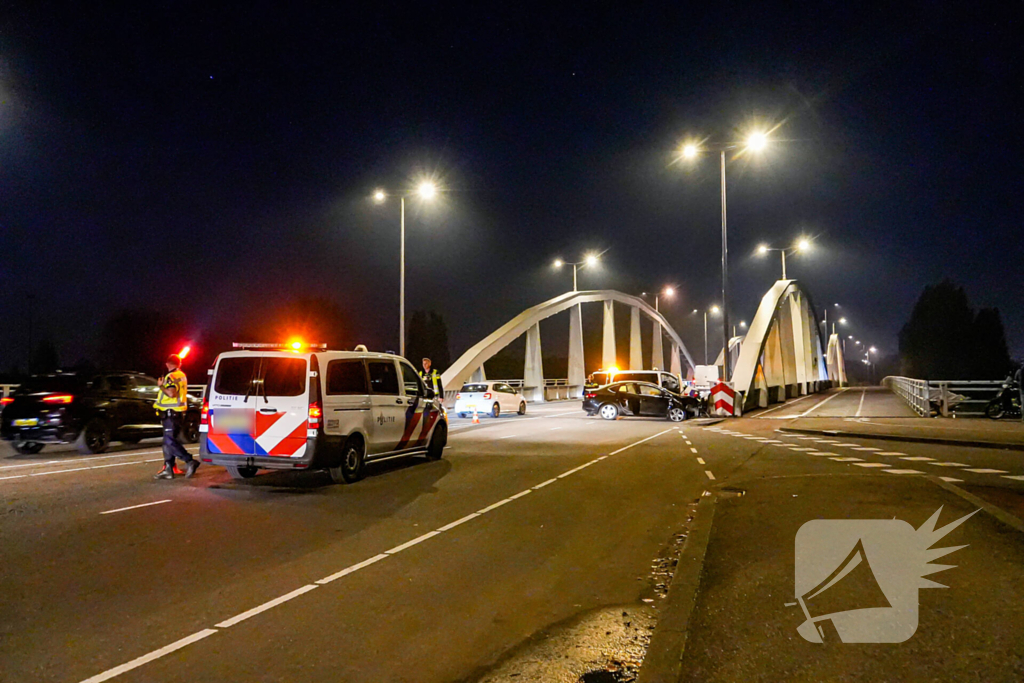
(398,401)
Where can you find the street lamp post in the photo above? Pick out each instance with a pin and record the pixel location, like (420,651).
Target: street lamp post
(755,142)
(713,309)
(802,245)
(426,190)
(668,292)
(590,259)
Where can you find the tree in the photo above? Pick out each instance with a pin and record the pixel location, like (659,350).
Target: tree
(428,338)
(944,339)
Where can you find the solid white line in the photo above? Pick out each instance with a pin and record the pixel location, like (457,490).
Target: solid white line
(356,567)
(640,441)
(863,393)
(41,474)
(76,459)
(818,405)
(15,476)
(133,507)
(785,405)
(543,484)
(409,544)
(452,525)
(701,461)
(155,654)
(520,494)
(708,472)
(267,605)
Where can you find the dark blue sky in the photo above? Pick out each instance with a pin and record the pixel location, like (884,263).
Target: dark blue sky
(211,161)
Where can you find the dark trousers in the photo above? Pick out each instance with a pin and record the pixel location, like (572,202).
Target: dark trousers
(172,447)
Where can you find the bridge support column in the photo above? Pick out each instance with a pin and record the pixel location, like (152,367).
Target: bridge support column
(577,370)
(675,367)
(657,350)
(636,354)
(608,336)
(533,371)
(478,376)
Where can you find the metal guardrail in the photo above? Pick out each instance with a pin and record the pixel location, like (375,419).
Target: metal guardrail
(964,398)
(913,391)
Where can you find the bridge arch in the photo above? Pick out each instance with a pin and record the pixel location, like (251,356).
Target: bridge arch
(528,322)
(782,356)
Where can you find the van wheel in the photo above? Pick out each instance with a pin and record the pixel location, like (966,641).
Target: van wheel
(241,471)
(438,441)
(28,447)
(522,408)
(495,410)
(353,457)
(95,437)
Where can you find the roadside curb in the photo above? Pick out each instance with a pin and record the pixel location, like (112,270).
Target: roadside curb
(969,443)
(664,660)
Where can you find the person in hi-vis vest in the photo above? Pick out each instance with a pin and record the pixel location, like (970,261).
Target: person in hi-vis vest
(171,404)
(432,378)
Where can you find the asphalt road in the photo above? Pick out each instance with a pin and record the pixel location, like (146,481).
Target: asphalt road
(462,569)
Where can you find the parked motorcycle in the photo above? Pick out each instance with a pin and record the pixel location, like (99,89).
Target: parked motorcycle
(1005,404)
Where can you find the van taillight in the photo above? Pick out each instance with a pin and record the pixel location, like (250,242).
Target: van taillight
(59,398)
(487,396)
(314,415)
(204,414)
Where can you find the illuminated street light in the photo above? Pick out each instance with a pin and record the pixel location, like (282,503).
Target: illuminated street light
(803,244)
(668,291)
(591,259)
(427,191)
(757,141)
(689,151)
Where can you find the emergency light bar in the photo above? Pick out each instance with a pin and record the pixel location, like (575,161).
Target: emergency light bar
(271,345)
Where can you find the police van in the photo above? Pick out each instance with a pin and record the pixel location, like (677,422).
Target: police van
(300,406)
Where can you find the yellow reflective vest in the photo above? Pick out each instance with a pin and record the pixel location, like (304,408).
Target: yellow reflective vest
(173,393)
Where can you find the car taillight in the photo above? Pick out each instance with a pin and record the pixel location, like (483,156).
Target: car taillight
(204,414)
(487,396)
(5,400)
(59,398)
(589,395)
(314,416)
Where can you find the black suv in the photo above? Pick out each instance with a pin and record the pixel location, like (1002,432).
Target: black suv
(89,411)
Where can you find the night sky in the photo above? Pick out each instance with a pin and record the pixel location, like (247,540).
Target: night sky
(213,161)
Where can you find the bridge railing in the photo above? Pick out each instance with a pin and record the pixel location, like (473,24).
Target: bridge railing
(965,398)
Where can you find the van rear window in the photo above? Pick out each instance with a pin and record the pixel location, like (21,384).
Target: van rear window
(283,376)
(234,375)
(474,388)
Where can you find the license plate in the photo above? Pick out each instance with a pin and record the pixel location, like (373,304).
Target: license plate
(27,422)
(233,422)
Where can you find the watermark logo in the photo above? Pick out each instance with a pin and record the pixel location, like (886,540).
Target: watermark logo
(857,579)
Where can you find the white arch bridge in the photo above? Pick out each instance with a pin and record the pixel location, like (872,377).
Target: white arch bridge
(470,364)
(781,356)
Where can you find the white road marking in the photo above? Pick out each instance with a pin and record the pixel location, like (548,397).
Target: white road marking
(134,507)
(948,464)
(847,445)
(637,443)
(15,476)
(693,450)
(1014,476)
(507,437)
(818,405)
(520,494)
(542,485)
(950,479)
(155,654)
(553,429)
(376,558)
(772,441)
(819,454)
(493,506)
(802,448)
(474,515)
(846,459)
(80,469)
(867,448)
(860,406)
(701,461)
(871,464)
(904,471)
(238,618)
(419,539)
(785,405)
(710,476)
(919,458)
(827,441)
(985,470)
(890,453)
(75,459)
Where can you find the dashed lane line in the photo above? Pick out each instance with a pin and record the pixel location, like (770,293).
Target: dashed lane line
(710,476)
(135,507)
(270,604)
(701,461)
(904,471)
(986,470)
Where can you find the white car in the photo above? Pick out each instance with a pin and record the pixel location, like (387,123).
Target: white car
(491,398)
(272,406)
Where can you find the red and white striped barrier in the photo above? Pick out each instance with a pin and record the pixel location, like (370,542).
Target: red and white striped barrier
(723,399)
